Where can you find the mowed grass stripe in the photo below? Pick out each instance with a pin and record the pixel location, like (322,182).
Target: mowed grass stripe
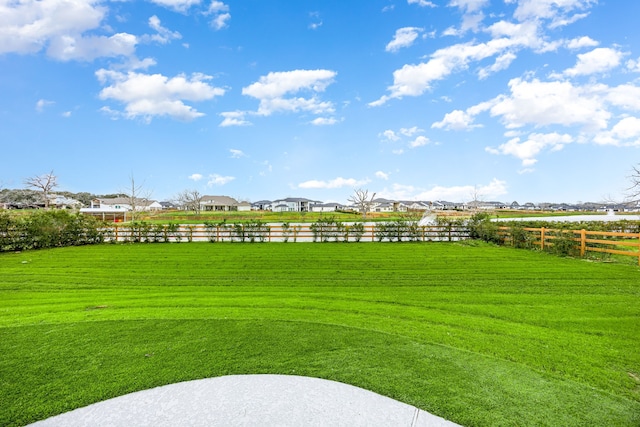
(548,318)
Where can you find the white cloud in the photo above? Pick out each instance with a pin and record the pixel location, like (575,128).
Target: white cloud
(627,128)
(564,21)
(382,175)
(220,13)
(150,95)
(219,180)
(389,135)
(581,42)
(422,3)
(471,19)
(528,150)
(164,35)
(455,120)
(633,65)
(334,183)
(624,133)
(559,12)
(221,21)
(599,60)
(236,154)
(195,177)
(217,7)
(493,189)
(419,142)
(626,96)
(27,26)
(42,103)
(324,121)
(414,80)
(469,6)
(60,27)
(234,118)
(317,22)
(66,114)
(271,89)
(88,48)
(502,63)
(547,103)
(179,5)
(139,64)
(404,37)
(411,131)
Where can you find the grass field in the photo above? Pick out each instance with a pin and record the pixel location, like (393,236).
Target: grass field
(480,335)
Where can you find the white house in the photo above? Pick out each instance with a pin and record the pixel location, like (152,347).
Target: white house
(261,205)
(327,207)
(386,205)
(244,207)
(116,208)
(292,204)
(416,205)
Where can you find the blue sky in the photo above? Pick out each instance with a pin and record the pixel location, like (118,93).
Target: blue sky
(527,100)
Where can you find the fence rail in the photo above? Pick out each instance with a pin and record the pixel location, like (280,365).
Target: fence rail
(283,233)
(610,242)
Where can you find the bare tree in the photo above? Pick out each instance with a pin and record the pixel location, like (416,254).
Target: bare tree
(191,200)
(634,189)
(476,198)
(137,196)
(44,183)
(361,200)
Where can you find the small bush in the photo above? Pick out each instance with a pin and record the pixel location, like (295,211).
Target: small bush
(520,238)
(326,229)
(481,227)
(563,244)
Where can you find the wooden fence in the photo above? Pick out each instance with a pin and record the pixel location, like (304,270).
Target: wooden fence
(278,233)
(610,242)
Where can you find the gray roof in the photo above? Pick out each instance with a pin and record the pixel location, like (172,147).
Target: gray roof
(219,200)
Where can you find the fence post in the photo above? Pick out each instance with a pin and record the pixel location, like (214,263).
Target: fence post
(583,243)
(117,234)
(542,239)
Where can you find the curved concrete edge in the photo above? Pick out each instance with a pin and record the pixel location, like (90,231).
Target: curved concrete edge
(250,400)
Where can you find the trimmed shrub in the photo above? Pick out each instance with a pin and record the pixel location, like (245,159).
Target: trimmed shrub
(48,229)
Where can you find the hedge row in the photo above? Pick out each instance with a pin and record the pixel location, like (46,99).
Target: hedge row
(47,229)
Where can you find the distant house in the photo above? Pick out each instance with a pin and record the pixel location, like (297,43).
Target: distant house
(116,208)
(327,207)
(292,204)
(168,205)
(261,205)
(416,205)
(491,205)
(244,206)
(218,203)
(125,203)
(386,205)
(62,202)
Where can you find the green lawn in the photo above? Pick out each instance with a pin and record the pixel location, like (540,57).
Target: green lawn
(480,335)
